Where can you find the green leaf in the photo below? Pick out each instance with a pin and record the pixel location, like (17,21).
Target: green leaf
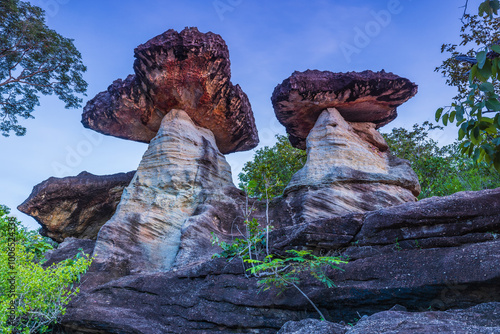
(496,162)
(438,114)
(473,73)
(460,113)
(496,121)
(487,87)
(445,119)
(496,48)
(485,71)
(452,116)
(461,134)
(481,59)
(492,104)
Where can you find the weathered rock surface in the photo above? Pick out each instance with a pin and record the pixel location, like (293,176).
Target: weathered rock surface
(167,213)
(215,296)
(359,97)
(347,173)
(187,70)
(480,319)
(75,206)
(309,326)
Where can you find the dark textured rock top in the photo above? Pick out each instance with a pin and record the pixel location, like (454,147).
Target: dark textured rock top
(189,70)
(359,97)
(75,206)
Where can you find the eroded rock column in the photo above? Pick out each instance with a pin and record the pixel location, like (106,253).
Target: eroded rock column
(180,170)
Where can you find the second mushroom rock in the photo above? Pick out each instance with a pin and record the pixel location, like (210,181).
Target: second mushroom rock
(349,167)
(359,97)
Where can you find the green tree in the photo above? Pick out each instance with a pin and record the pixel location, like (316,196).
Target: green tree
(476,73)
(34,60)
(32,298)
(271,169)
(441,170)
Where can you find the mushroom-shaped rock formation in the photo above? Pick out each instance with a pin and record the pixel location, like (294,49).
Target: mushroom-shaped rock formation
(187,70)
(359,97)
(347,172)
(75,206)
(180,193)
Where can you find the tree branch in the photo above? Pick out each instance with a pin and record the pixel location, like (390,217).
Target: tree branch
(465,11)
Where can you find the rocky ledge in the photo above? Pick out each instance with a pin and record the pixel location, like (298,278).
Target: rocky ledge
(439,254)
(75,206)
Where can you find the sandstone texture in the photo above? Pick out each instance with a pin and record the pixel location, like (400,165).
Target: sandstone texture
(187,70)
(75,206)
(308,326)
(445,257)
(347,172)
(480,319)
(169,202)
(358,96)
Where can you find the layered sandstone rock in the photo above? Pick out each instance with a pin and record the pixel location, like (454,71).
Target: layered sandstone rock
(407,261)
(75,206)
(170,202)
(358,96)
(347,172)
(480,319)
(187,70)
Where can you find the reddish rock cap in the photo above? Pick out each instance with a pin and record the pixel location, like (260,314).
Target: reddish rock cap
(187,70)
(359,97)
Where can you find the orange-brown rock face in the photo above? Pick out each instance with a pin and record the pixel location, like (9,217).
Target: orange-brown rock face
(359,97)
(187,70)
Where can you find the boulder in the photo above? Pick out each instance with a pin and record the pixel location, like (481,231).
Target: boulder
(75,206)
(358,96)
(187,70)
(347,172)
(167,212)
(216,296)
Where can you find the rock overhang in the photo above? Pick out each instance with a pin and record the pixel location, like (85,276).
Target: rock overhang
(359,97)
(189,70)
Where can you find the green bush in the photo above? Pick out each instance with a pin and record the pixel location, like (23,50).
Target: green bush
(273,270)
(271,169)
(32,298)
(441,170)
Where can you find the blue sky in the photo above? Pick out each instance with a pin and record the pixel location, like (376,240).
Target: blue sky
(267,41)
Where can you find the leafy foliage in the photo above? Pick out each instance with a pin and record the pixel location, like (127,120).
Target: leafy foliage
(281,272)
(34,60)
(274,270)
(271,169)
(476,74)
(32,298)
(251,245)
(441,170)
